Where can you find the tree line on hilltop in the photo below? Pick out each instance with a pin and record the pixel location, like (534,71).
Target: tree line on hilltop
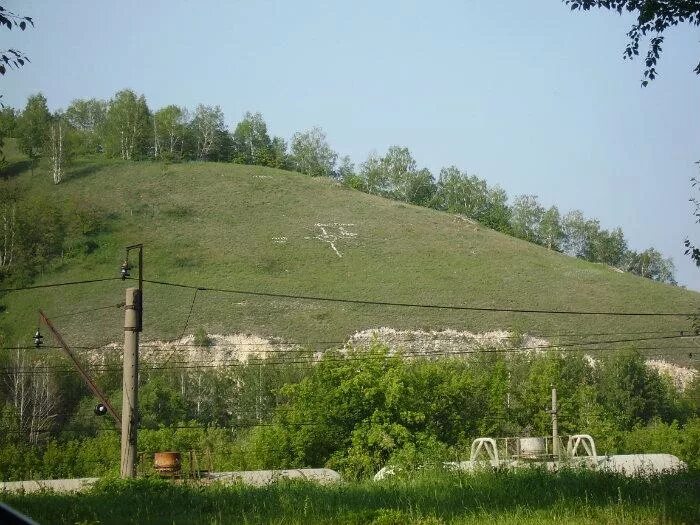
(126,128)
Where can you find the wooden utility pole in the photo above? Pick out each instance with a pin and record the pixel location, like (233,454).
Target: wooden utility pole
(555,425)
(130,413)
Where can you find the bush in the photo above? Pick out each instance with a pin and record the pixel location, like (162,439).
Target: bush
(201,338)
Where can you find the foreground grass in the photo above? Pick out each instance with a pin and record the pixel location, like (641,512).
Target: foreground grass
(429,498)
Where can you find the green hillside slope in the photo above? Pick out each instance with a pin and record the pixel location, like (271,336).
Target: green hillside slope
(255,228)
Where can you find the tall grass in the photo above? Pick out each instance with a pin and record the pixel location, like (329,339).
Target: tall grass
(431,497)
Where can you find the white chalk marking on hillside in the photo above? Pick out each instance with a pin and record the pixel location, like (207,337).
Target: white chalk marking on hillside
(279,240)
(333,232)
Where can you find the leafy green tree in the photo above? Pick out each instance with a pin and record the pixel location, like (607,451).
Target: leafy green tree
(160,404)
(346,168)
(87,118)
(396,176)
(606,247)
(170,127)
(531,398)
(33,127)
(418,188)
(374,179)
(690,249)
(60,145)
(651,264)
(551,233)
(408,183)
(577,231)
(8,121)
(457,192)
(209,132)
(654,17)
(311,153)
(349,177)
(127,126)
(251,142)
(12,58)
(34,232)
(634,393)
(526,217)
(280,158)
(398,167)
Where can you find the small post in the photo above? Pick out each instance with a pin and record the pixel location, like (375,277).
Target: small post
(555,426)
(130,415)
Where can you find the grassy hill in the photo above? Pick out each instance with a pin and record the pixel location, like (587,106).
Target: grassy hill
(255,228)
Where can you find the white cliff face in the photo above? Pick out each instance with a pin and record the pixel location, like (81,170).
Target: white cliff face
(225,348)
(680,376)
(446,341)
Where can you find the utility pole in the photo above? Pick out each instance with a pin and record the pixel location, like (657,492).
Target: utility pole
(130,382)
(555,425)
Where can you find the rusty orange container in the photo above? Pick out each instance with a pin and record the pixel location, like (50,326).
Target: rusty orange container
(167,463)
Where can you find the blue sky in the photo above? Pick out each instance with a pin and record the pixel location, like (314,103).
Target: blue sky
(524,94)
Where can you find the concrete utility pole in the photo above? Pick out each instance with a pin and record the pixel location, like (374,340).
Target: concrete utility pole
(133,324)
(555,425)
(130,383)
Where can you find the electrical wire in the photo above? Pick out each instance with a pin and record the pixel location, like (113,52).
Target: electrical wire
(163,345)
(187,322)
(88,310)
(315,360)
(416,305)
(56,285)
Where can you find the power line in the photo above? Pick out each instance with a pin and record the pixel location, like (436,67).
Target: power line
(88,310)
(315,360)
(56,285)
(236,426)
(416,305)
(187,322)
(163,345)
(172,427)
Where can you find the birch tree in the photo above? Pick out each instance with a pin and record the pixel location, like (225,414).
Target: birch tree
(280,159)
(251,141)
(87,118)
(169,126)
(526,217)
(651,264)
(208,125)
(32,127)
(8,219)
(33,394)
(58,147)
(550,233)
(311,153)
(127,126)
(373,175)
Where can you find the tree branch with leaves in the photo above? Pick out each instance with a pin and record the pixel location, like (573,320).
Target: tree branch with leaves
(13,58)
(653,18)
